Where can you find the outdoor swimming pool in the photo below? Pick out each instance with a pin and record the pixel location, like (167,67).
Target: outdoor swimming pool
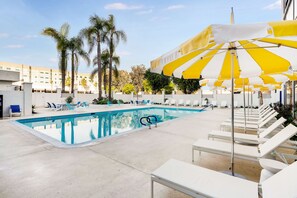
(87,127)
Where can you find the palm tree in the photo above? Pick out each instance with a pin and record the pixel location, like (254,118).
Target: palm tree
(95,35)
(61,38)
(113,38)
(76,50)
(105,66)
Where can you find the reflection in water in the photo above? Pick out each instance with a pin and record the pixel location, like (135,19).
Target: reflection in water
(73,130)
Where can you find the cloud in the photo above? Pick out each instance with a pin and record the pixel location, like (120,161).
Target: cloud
(175,7)
(142,12)
(158,18)
(274,6)
(122,6)
(15,46)
(29,36)
(3,35)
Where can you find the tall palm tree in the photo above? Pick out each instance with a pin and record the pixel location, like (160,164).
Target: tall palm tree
(114,36)
(95,35)
(105,66)
(61,38)
(76,50)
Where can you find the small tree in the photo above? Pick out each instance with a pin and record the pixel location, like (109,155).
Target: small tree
(146,86)
(128,88)
(84,83)
(169,88)
(156,81)
(68,81)
(137,76)
(187,86)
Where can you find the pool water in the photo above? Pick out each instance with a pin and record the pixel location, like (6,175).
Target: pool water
(81,128)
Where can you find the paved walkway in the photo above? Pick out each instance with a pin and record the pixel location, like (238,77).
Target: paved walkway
(117,167)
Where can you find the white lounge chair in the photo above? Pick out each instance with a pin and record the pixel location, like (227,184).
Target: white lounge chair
(249,126)
(254,116)
(223,104)
(214,103)
(235,104)
(188,103)
(181,102)
(243,151)
(197,181)
(166,102)
(270,115)
(195,103)
(172,102)
(204,103)
(247,138)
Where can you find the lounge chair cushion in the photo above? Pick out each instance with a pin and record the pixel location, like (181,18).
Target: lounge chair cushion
(15,108)
(204,181)
(225,148)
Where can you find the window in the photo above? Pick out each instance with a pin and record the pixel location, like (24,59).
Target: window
(8,68)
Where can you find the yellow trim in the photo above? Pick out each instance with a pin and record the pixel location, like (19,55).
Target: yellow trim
(194,71)
(272,63)
(287,43)
(155,63)
(199,41)
(225,73)
(284,28)
(169,68)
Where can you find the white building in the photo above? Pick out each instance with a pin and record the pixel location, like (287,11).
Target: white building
(44,78)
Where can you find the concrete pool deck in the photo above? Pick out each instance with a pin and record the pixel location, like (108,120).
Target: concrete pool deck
(117,167)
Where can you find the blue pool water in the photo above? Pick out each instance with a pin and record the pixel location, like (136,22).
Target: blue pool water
(81,128)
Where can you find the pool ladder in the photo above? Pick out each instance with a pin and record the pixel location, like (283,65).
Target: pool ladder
(148,121)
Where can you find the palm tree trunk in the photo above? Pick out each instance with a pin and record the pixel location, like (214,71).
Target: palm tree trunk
(72,72)
(110,66)
(99,68)
(105,80)
(63,69)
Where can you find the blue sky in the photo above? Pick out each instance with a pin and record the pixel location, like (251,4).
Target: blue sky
(153,27)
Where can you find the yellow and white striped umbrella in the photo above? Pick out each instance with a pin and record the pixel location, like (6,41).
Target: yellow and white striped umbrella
(258,49)
(214,84)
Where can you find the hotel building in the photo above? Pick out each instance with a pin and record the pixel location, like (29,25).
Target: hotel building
(43,78)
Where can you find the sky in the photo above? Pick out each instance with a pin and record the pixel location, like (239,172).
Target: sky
(153,27)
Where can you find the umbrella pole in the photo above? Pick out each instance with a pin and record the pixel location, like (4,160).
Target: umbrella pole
(244,107)
(248,97)
(232,110)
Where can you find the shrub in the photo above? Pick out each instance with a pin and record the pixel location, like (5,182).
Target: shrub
(286,112)
(104,101)
(69,99)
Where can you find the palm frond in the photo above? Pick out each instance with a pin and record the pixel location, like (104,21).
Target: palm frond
(93,73)
(65,29)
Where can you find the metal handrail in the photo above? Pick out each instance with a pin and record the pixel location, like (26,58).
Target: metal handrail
(148,120)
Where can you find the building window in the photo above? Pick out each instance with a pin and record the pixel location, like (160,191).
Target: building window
(8,68)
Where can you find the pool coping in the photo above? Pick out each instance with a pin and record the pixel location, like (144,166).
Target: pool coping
(59,144)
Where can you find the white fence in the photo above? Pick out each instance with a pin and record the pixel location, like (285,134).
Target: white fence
(41,99)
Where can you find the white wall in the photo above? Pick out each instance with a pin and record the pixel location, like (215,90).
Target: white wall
(41,99)
(11,98)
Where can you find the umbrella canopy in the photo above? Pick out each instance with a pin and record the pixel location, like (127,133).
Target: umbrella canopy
(233,51)
(262,48)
